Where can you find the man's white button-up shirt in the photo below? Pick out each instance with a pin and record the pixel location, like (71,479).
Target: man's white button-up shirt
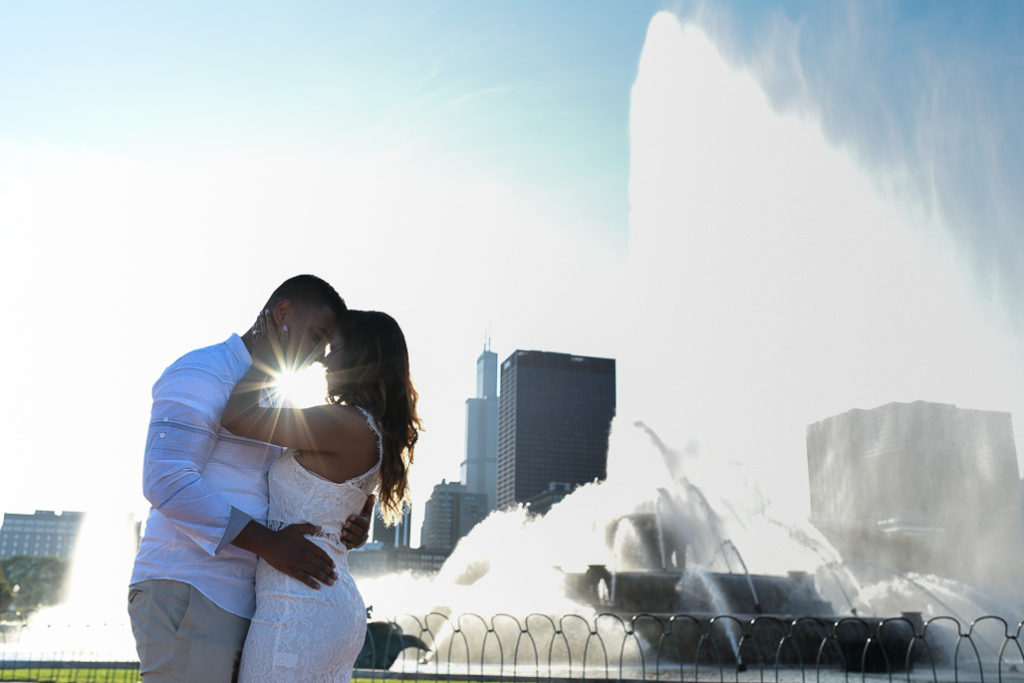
(204,483)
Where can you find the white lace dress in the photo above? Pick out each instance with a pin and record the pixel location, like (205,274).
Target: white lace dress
(297,633)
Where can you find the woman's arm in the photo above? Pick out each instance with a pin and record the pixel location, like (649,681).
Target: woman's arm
(308,429)
(317,428)
(324,428)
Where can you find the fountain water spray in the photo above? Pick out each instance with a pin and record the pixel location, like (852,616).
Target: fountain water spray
(92,620)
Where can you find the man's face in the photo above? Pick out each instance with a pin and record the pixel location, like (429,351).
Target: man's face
(309,329)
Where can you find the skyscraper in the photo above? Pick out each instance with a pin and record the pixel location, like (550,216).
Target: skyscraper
(554,415)
(450,513)
(478,471)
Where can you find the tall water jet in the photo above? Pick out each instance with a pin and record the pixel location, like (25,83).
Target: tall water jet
(783,282)
(788,283)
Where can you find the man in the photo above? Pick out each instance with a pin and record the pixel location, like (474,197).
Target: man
(191,593)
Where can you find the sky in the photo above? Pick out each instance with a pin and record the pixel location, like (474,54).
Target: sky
(481,168)
(163,168)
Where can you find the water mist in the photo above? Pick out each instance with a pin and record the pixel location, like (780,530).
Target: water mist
(772,282)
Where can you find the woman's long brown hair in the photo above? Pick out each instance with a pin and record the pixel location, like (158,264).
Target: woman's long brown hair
(374,375)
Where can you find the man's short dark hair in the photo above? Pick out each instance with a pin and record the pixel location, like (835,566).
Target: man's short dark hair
(310,290)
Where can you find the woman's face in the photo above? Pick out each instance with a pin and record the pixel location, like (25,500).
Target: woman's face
(333,357)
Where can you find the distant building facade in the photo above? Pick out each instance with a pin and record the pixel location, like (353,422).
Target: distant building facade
(543,501)
(450,513)
(375,559)
(554,416)
(42,534)
(479,471)
(396,536)
(920,486)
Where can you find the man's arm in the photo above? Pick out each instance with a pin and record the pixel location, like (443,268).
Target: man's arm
(305,429)
(178,446)
(289,552)
(182,435)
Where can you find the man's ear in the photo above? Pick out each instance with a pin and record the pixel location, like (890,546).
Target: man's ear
(282,310)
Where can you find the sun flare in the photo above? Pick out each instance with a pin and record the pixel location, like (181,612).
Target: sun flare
(302,388)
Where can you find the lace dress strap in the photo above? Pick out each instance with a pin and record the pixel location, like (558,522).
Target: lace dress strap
(368,479)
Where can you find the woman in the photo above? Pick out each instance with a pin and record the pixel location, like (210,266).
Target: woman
(337,454)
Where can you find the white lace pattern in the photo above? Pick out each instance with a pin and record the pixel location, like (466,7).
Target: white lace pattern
(298,633)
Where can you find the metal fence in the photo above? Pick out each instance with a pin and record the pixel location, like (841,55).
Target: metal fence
(681,647)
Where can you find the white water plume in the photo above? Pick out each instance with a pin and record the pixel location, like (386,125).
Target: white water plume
(779,283)
(773,282)
(92,620)
(512,563)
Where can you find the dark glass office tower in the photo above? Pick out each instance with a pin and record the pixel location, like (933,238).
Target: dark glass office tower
(554,414)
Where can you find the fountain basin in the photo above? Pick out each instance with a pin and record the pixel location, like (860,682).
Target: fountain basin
(740,620)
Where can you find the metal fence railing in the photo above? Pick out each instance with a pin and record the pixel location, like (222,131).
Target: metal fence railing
(542,647)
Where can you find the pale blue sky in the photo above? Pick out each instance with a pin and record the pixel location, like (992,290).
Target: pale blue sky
(535,92)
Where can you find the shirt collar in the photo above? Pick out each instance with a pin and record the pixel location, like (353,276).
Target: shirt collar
(239,354)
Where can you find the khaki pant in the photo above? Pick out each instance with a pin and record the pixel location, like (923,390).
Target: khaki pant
(181,635)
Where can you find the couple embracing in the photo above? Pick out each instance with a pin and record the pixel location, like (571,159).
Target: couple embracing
(254,506)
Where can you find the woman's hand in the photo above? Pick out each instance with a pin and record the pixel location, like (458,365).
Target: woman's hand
(268,343)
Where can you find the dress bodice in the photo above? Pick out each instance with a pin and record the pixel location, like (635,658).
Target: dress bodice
(298,495)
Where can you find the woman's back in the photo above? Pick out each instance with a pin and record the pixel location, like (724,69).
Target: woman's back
(299,493)
(348,445)
(299,633)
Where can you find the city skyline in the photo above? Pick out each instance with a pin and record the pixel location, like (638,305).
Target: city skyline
(533,441)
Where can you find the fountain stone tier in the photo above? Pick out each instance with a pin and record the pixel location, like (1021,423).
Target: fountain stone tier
(731,617)
(674,592)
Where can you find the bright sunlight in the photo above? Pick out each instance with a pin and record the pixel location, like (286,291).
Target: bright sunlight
(302,388)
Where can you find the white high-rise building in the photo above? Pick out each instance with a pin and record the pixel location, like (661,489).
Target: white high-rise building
(924,487)
(479,471)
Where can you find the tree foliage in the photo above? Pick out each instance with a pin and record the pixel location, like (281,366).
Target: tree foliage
(41,579)
(5,593)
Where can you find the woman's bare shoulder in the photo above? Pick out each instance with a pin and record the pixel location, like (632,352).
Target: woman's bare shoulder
(345,449)
(355,428)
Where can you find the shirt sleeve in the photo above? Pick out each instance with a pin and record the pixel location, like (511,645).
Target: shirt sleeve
(185,422)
